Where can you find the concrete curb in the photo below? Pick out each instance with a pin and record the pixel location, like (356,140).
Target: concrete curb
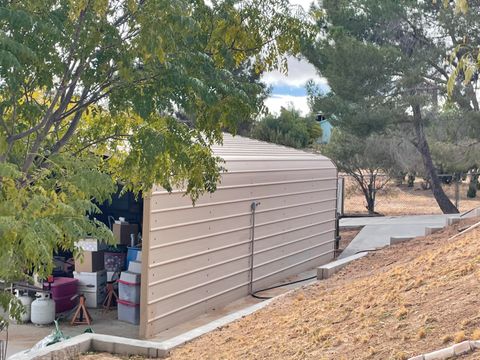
(452,351)
(429,230)
(399,239)
(453,220)
(327,270)
(72,348)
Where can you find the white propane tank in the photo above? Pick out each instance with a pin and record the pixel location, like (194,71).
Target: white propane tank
(43,310)
(26,301)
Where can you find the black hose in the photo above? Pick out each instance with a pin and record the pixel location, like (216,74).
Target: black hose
(278,286)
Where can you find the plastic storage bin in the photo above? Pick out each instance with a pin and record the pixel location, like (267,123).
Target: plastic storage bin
(62,286)
(64,303)
(63,292)
(128,312)
(133,254)
(90,281)
(114,261)
(129,292)
(131,277)
(135,267)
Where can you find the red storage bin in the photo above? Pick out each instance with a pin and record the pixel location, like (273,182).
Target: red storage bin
(63,289)
(65,303)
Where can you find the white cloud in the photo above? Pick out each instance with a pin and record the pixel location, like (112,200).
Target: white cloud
(275,102)
(299,72)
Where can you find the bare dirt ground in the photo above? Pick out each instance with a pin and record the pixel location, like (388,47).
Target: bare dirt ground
(405,300)
(404,200)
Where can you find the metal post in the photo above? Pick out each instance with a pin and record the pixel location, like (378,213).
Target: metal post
(457,191)
(253,208)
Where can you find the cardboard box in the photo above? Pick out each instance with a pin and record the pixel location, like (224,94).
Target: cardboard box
(91,261)
(122,232)
(91,244)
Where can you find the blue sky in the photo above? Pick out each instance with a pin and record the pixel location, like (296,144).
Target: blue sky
(290,89)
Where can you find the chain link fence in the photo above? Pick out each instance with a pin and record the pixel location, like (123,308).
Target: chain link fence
(404,196)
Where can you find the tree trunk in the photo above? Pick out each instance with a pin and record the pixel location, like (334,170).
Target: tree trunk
(472,187)
(370,202)
(442,199)
(369,192)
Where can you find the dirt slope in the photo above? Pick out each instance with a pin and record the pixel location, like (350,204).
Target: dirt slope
(402,301)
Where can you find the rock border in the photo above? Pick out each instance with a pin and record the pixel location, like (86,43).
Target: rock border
(462,348)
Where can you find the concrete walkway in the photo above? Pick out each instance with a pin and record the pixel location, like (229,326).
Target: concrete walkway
(377,231)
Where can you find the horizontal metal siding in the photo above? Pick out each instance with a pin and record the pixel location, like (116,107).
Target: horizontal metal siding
(219,210)
(199,256)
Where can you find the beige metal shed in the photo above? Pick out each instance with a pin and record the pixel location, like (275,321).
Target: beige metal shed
(196,258)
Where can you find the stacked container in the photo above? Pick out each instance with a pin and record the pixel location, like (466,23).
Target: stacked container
(133,254)
(64,291)
(93,285)
(129,296)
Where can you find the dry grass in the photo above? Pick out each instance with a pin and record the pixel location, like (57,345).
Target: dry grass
(392,304)
(402,200)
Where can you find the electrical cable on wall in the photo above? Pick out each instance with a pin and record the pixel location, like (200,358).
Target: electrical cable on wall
(279,286)
(253,208)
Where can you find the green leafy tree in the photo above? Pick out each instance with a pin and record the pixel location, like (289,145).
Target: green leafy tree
(386,65)
(97,92)
(369,161)
(289,129)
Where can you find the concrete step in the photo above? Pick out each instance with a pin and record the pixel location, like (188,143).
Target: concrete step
(429,230)
(327,270)
(399,239)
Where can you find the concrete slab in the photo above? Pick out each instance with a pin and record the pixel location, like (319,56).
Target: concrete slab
(406,220)
(378,232)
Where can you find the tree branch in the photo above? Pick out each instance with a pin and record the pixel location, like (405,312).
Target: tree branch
(71,129)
